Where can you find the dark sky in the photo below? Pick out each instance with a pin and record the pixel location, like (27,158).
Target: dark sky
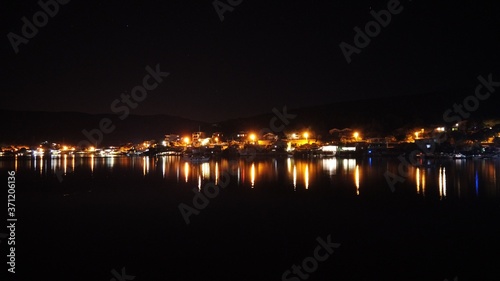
(264,54)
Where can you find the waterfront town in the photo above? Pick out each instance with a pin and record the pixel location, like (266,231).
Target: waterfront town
(458,141)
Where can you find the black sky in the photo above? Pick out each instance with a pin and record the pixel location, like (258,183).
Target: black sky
(264,54)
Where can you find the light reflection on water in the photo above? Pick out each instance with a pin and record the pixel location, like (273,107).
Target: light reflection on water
(356,179)
(252,174)
(455,178)
(442,182)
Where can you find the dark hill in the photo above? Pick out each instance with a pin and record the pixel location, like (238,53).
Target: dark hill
(34,127)
(375,117)
(379,116)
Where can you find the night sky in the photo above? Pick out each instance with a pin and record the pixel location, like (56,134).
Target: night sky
(264,54)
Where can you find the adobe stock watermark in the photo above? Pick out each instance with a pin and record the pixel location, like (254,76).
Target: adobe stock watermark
(372,29)
(12,250)
(59,174)
(221,7)
(283,116)
(202,199)
(471,102)
(463,110)
(274,127)
(11,220)
(210,190)
(40,19)
(121,277)
(404,166)
(311,264)
(124,104)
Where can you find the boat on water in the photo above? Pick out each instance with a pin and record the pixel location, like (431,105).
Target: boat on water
(459,156)
(196,158)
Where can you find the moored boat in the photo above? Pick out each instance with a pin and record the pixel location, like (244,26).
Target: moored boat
(459,156)
(196,158)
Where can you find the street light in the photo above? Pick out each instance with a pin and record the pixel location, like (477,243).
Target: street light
(252,137)
(356,135)
(306,136)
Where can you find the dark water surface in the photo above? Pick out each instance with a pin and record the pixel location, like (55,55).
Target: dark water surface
(80,218)
(458,179)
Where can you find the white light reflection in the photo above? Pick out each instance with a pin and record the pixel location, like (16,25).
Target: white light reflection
(41,165)
(205,170)
(111,161)
(164,164)
(423,182)
(216,173)
(306,176)
(252,175)
(186,171)
(330,165)
(294,177)
(65,164)
(351,164)
(356,179)
(348,166)
(199,182)
(420,181)
(442,182)
(239,175)
(145,165)
(417,179)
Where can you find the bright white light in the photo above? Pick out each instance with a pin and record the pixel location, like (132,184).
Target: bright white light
(205,141)
(330,148)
